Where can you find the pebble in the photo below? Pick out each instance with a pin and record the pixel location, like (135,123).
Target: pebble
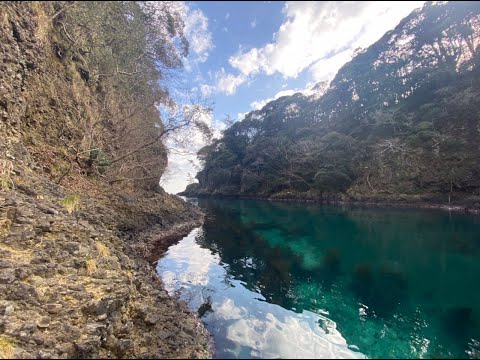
(53,308)
(152,319)
(43,323)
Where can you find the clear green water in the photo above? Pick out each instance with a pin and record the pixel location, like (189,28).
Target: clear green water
(297,280)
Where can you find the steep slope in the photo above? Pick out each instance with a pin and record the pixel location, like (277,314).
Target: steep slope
(74,222)
(400,121)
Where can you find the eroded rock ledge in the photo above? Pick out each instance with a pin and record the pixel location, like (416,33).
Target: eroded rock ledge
(74,281)
(78,285)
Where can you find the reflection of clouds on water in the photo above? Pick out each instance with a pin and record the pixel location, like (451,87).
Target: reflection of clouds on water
(241,316)
(186,267)
(287,336)
(227,310)
(188,263)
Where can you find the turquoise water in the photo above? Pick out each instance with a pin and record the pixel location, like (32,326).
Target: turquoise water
(296,280)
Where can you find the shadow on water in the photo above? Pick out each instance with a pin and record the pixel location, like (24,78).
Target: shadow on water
(396,283)
(383,290)
(461,325)
(329,269)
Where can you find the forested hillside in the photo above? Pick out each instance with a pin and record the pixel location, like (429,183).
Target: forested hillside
(400,121)
(85,83)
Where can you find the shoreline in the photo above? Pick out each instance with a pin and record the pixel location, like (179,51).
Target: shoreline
(81,284)
(457,208)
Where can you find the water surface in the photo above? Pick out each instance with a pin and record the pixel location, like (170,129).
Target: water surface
(275,280)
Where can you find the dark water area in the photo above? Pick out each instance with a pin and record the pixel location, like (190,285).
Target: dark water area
(276,280)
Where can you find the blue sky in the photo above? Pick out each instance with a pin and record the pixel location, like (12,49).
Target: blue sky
(243,54)
(236,26)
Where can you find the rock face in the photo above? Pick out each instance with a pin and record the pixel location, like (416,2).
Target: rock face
(74,282)
(54,303)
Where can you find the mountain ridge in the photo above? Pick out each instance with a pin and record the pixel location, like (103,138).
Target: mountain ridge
(399,121)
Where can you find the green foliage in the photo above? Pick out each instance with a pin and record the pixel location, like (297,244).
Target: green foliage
(125,55)
(219,176)
(71,203)
(192,188)
(451,145)
(129,37)
(100,159)
(332,178)
(424,126)
(389,122)
(250,182)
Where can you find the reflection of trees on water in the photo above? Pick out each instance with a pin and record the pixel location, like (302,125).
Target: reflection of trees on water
(389,261)
(259,242)
(247,254)
(266,245)
(382,290)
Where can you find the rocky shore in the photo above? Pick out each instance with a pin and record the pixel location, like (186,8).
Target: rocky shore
(75,274)
(77,285)
(400,201)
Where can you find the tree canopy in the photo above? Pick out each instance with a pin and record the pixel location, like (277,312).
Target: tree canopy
(400,118)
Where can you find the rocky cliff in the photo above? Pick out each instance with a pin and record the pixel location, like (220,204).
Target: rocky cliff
(80,209)
(399,122)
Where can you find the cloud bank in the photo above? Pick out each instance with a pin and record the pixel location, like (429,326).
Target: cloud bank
(317,36)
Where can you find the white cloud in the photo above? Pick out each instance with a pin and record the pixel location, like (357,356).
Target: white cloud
(257,105)
(325,69)
(228,83)
(241,115)
(206,90)
(183,164)
(218,127)
(227,16)
(253,61)
(312,89)
(181,169)
(316,31)
(198,35)
(253,24)
(223,83)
